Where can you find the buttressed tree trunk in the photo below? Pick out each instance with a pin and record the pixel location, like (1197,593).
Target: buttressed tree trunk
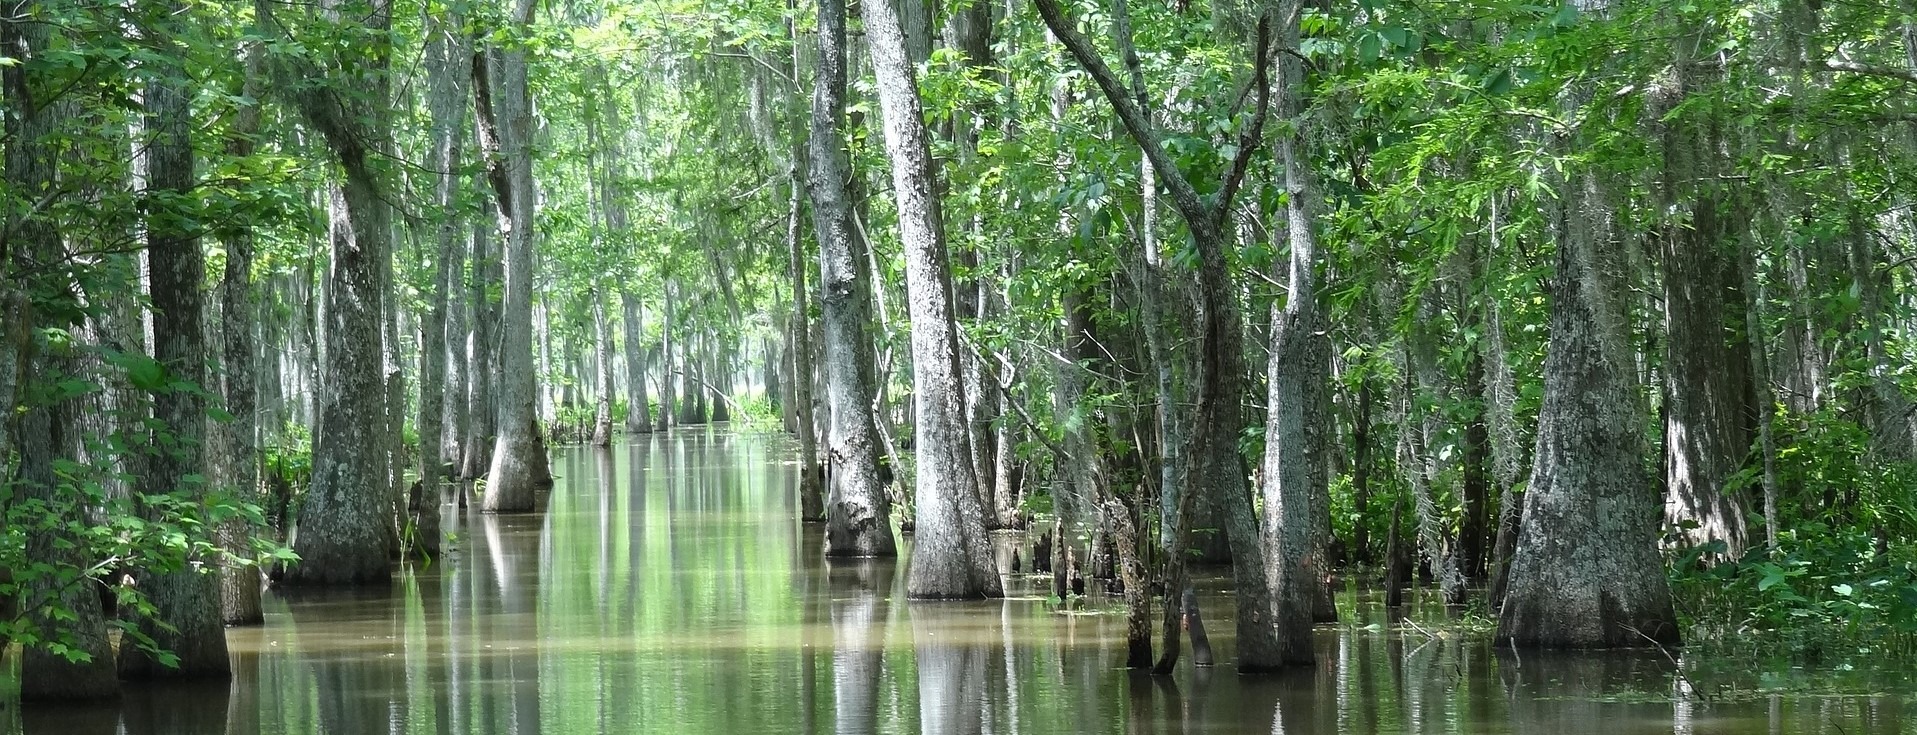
(186,602)
(505,111)
(953,556)
(344,525)
(1586,573)
(42,441)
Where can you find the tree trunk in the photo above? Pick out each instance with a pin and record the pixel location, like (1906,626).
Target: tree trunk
(238,441)
(1500,397)
(639,414)
(1361,475)
(1473,530)
(458,325)
(46,439)
(1708,424)
(505,112)
(719,379)
(1216,414)
(602,354)
(826,192)
(668,390)
(345,524)
(857,513)
(953,556)
(186,603)
(1299,371)
(25,363)
(448,66)
(1586,573)
(482,412)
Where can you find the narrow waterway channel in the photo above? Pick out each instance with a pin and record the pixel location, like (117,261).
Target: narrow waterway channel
(665,587)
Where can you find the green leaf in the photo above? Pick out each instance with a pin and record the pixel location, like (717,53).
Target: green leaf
(1567,15)
(1370,47)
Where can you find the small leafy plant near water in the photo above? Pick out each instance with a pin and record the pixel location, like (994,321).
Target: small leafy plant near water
(1842,579)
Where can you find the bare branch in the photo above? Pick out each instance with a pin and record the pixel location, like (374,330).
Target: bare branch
(1888,72)
(1183,194)
(1249,137)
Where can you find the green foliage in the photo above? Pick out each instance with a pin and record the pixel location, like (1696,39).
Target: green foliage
(1844,573)
(95,515)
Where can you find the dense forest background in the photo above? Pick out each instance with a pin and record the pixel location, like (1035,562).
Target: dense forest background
(1592,316)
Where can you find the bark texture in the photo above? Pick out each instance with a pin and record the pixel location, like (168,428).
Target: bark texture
(481,358)
(1215,415)
(857,512)
(812,499)
(953,556)
(1708,419)
(345,526)
(1586,573)
(519,467)
(639,413)
(236,444)
(1300,367)
(448,73)
(43,430)
(602,357)
(186,601)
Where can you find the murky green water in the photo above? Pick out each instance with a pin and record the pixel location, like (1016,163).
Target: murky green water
(666,589)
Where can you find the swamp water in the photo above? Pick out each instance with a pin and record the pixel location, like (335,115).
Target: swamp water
(665,588)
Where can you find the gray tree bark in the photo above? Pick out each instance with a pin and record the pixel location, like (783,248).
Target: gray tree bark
(42,435)
(639,415)
(237,443)
(1216,415)
(186,601)
(448,72)
(952,557)
(602,354)
(1299,371)
(344,527)
(519,465)
(482,414)
(812,500)
(1708,418)
(1586,573)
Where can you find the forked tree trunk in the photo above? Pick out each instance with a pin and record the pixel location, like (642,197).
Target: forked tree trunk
(953,556)
(1215,415)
